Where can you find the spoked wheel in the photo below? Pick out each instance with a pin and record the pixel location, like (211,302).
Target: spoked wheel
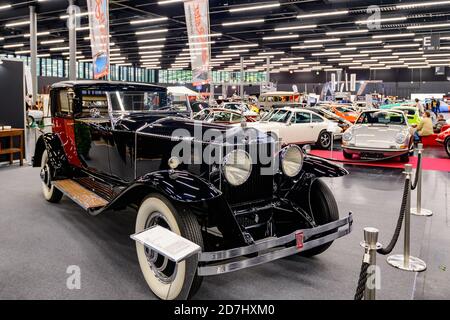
(447,146)
(51,194)
(168,280)
(324,141)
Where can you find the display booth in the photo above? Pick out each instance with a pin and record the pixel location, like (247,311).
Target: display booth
(12,108)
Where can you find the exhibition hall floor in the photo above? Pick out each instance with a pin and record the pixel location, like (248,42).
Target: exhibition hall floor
(40,240)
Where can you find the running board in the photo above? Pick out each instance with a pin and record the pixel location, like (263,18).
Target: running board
(87,199)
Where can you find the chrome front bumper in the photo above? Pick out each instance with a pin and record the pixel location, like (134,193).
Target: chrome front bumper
(270,249)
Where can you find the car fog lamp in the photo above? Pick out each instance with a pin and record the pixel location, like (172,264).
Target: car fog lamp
(174,163)
(400,138)
(237,167)
(292,161)
(347,136)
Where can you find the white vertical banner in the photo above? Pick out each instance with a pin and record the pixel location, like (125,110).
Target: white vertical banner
(333,81)
(197,24)
(353,82)
(99,34)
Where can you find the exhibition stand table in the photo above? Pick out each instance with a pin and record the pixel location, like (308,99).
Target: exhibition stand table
(11,150)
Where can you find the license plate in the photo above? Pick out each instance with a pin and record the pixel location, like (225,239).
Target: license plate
(370,155)
(299,240)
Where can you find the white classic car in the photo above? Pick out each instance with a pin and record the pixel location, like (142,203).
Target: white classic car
(379,134)
(34,116)
(299,126)
(239,107)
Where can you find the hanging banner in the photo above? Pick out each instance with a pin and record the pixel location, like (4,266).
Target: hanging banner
(99,28)
(197,23)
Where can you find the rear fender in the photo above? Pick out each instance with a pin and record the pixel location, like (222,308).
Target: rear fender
(51,143)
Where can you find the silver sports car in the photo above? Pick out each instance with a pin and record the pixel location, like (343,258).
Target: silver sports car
(379,134)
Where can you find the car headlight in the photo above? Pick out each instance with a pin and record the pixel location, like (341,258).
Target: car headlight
(348,136)
(237,167)
(400,138)
(292,161)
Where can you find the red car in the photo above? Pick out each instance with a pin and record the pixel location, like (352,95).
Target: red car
(444,138)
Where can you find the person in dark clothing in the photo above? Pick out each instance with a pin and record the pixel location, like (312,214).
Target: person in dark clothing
(438,106)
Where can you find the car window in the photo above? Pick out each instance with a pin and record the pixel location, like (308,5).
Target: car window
(301,117)
(316,118)
(65,100)
(382,117)
(280,116)
(202,115)
(236,118)
(222,116)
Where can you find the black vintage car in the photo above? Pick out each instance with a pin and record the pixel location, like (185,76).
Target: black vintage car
(233,191)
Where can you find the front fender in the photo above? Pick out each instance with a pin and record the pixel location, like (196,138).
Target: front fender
(179,186)
(322,168)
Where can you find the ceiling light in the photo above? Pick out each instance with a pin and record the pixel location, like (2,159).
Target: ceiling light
(421,4)
(338,33)
(44,33)
(341,49)
(5,6)
(309,26)
(395,35)
(17,45)
(323,40)
(250,45)
(52,41)
(307,46)
(322,14)
(289,36)
(372,21)
(376,51)
(361,43)
(403,45)
(270,53)
(257,7)
(319,54)
(406,53)
(141,21)
(150,31)
(427,26)
(354,55)
(151,40)
(228,24)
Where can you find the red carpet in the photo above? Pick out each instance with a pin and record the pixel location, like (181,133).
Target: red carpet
(428,164)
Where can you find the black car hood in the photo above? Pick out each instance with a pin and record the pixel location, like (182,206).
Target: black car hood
(206,132)
(134,121)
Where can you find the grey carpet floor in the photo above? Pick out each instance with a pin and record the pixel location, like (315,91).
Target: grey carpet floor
(39,241)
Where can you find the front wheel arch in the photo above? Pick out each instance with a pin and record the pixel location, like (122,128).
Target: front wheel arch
(182,222)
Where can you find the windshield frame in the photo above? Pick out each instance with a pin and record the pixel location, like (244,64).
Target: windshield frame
(363,115)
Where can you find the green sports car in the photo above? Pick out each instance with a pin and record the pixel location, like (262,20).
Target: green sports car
(412,113)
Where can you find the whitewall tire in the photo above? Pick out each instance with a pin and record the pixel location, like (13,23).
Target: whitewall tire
(167,280)
(49,191)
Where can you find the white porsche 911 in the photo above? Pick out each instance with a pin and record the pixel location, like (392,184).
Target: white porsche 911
(299,126)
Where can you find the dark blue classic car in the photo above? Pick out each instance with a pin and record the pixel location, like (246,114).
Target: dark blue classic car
(234,191)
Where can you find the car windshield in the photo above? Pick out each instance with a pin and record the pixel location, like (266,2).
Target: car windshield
(410,112)
(382,117)
(279,116)
(141,101)
(237,107)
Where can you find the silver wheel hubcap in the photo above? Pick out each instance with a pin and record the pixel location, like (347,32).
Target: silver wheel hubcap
(325,140)
(164,269)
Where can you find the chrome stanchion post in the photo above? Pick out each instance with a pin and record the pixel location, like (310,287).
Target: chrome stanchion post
(371,245)
(405,261)
(419,211)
